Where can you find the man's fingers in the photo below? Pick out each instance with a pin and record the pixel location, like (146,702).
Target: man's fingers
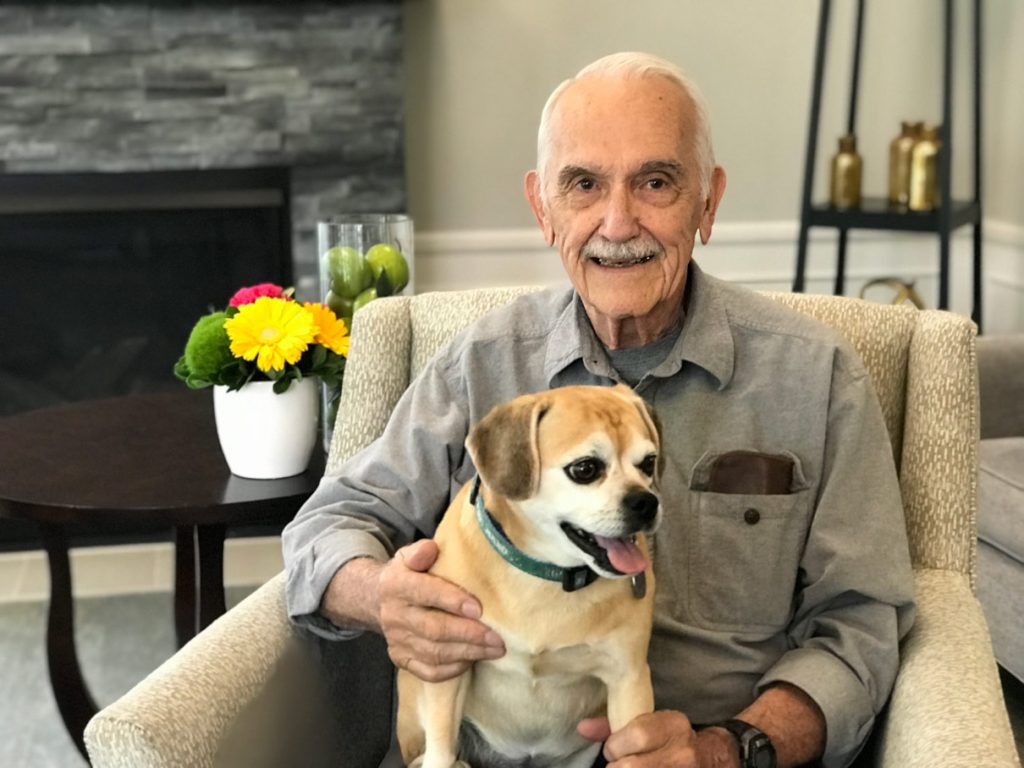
(594,729)
(431,625)
(436,674)
(428,631)
(434,592)
(423,589)
(651,733)
(419,555)
(440,654)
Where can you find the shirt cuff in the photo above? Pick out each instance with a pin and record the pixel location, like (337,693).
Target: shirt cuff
(839,694)
(311,572)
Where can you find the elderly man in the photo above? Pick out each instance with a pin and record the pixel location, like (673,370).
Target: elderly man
(778,615)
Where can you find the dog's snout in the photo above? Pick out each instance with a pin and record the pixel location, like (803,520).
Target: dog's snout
(641,508)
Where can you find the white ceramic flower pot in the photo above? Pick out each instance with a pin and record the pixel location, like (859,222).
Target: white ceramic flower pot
(264,435)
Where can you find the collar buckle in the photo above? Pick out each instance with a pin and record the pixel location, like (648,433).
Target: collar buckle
(577,578)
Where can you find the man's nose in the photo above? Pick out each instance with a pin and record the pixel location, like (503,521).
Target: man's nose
(619,222)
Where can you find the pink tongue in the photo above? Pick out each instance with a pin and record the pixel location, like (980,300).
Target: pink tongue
(623,554)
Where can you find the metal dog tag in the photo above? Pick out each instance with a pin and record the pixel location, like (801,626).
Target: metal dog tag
(639,584)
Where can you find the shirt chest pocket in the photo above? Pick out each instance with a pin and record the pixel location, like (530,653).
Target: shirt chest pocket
(745,552)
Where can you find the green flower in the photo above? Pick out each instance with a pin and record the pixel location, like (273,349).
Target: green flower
(207,351)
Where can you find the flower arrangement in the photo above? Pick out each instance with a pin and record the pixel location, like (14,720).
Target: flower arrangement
(265,335)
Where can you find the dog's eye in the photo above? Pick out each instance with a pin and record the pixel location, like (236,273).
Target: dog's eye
(585,471)
(648,464)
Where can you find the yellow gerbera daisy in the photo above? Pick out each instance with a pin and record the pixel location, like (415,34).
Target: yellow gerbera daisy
(332,331)
(271,331)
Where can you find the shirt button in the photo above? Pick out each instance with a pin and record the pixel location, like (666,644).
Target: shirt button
(751,516)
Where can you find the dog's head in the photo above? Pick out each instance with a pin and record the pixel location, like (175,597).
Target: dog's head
(578,464)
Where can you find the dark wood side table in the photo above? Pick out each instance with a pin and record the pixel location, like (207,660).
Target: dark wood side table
(112,466)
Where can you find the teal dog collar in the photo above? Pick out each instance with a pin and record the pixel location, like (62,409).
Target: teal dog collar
(571,579)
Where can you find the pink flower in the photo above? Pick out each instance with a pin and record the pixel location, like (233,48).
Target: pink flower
(250,294)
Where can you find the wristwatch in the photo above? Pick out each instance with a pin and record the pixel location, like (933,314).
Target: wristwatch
(756,750)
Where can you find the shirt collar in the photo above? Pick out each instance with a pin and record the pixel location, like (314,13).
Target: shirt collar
(706,338)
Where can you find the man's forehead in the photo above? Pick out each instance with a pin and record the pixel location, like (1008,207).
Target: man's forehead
(600,113)
(610,92)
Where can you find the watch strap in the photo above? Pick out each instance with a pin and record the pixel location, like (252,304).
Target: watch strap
(755,748)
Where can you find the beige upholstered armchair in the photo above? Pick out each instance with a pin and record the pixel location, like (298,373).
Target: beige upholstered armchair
(251,691)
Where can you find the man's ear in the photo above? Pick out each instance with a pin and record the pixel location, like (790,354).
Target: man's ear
(505,448)
(707,217)
(536,200)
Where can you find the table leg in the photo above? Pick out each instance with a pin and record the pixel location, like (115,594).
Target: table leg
(210,539)
(198,579)
(184,584)
(74,701)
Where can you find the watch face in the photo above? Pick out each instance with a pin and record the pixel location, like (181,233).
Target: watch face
(762,753)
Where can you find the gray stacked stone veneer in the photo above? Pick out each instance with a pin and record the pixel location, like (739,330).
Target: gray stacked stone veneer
(135,86)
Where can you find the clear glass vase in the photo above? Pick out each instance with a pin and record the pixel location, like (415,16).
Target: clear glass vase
(363,257)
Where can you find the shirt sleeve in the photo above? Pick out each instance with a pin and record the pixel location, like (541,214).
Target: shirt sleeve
(381,499)
(855,597)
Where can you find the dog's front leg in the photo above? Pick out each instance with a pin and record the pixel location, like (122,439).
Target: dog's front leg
(629,695)
(441,716)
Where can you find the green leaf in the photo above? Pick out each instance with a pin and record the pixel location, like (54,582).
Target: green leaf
(281,385)
(319,356)
(181,369)
(195,382)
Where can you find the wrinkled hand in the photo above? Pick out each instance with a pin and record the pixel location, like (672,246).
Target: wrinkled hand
(431,626)
(663,739)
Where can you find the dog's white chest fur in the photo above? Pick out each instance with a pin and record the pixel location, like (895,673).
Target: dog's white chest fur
(550,690)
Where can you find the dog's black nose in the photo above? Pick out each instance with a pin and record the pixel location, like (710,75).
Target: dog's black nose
(641,508)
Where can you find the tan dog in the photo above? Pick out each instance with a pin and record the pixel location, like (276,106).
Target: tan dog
(567,480)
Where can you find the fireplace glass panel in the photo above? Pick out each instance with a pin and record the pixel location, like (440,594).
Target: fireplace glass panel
(100,302)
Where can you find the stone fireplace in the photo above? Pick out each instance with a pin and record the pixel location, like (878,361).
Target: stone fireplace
(135,115)
(157,154)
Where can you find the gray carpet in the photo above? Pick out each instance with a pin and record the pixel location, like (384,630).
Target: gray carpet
(120,641)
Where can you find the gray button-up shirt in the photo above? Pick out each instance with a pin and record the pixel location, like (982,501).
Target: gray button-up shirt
(815,589)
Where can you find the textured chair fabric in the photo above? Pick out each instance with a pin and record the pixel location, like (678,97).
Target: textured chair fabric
(947,707)
(1001,496)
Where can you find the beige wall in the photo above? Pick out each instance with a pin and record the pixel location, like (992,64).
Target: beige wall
(479,71)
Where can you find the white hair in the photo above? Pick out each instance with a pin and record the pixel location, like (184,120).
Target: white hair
(630,64)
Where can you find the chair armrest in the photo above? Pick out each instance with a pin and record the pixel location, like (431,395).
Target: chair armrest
(947,706)
(180,713)
(251,690)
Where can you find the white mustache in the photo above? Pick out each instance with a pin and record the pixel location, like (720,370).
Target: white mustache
(639,247)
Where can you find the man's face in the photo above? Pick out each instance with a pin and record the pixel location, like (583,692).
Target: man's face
(621,197)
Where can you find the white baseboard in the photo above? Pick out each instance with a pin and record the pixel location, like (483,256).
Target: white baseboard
(117,570)
(758,254)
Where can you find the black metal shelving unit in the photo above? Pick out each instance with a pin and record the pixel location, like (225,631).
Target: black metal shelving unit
(878,213)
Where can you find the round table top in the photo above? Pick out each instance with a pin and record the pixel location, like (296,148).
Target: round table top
(139,458)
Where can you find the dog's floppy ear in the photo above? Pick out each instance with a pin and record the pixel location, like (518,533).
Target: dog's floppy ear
(650,418)
(505,448)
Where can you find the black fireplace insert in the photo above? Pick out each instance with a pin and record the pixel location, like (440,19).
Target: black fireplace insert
(104,274)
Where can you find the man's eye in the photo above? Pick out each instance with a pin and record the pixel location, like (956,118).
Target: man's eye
(585,185)
(656,183)
(585,471)
(648,465)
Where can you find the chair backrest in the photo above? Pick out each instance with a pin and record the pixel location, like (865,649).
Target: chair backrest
(922,364)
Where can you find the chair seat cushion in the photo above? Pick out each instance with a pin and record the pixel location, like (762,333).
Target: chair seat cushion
(1001,495)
